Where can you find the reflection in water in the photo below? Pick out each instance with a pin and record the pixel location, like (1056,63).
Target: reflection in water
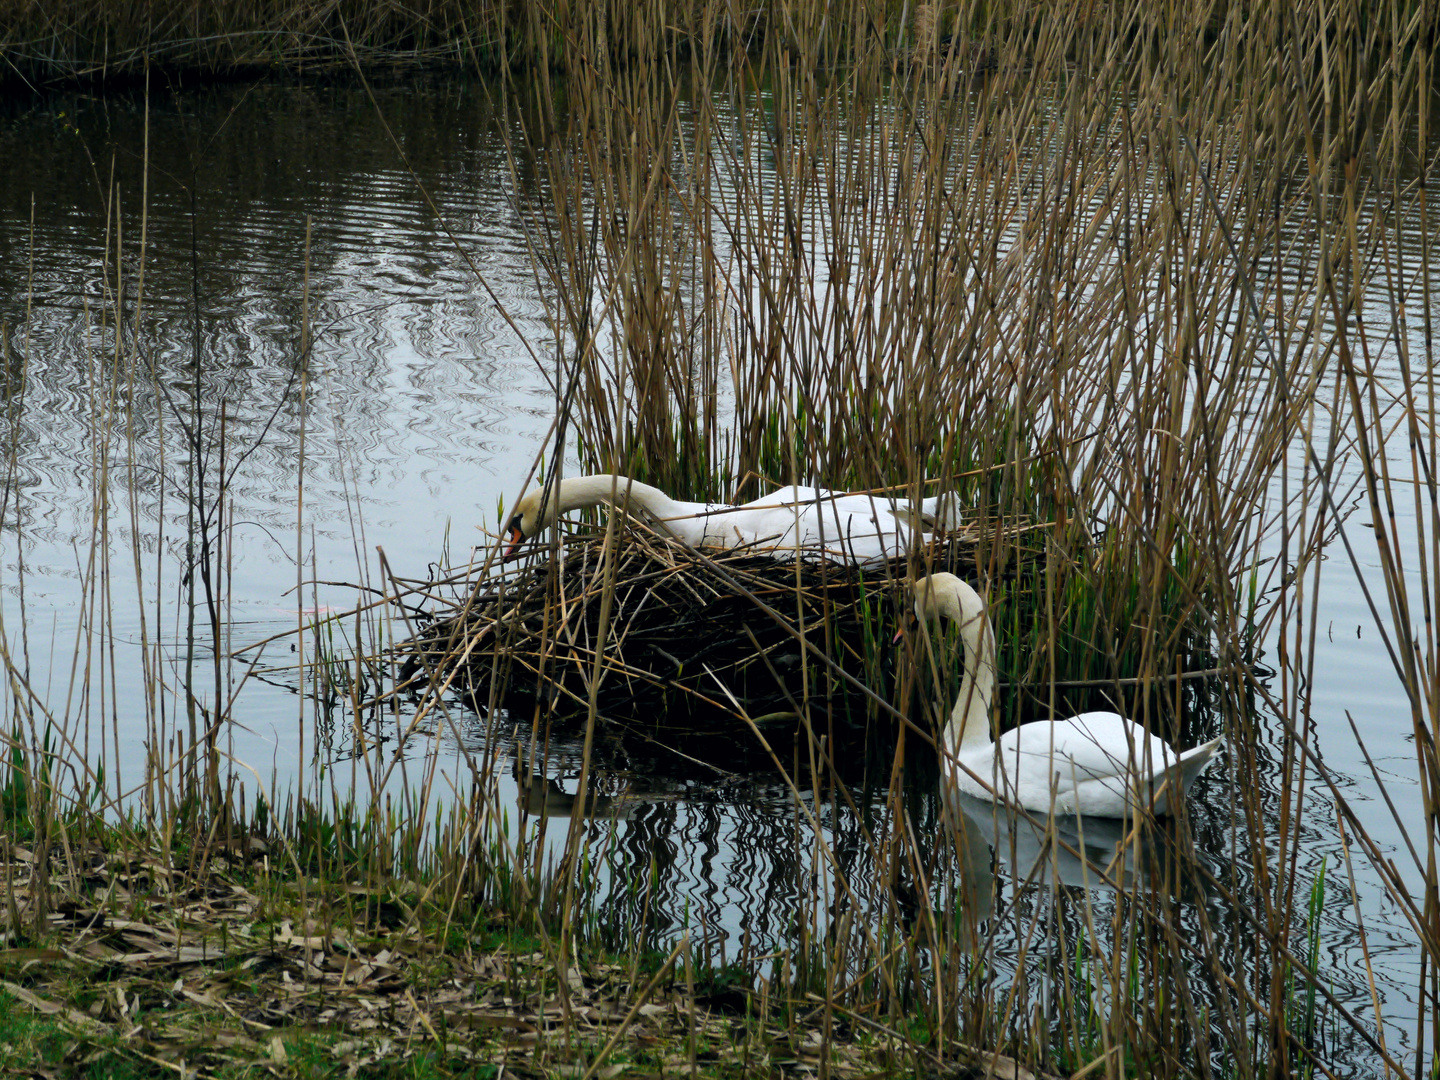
(1046,856)
(545,798)
(675,846)
(683,843)
(1066,850)
(542,796)
(417,389)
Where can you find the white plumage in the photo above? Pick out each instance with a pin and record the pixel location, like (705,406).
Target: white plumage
(810,522)
(1097,763)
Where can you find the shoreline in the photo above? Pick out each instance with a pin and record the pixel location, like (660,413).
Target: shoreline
(133,965)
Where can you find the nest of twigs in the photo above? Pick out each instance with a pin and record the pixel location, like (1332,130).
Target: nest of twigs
(690,634)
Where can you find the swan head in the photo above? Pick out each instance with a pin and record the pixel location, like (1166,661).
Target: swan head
(945,595)
(542,505)
(528,519)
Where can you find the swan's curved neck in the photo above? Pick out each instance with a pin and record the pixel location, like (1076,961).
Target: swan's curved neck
(582,492)
(969,725)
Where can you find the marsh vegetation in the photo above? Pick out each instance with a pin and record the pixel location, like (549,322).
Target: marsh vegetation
(1146,286)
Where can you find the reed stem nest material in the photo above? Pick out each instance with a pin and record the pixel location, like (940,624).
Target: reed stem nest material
(693,635)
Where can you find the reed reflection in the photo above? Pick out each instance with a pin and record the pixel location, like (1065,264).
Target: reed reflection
(543,797)
(731,858)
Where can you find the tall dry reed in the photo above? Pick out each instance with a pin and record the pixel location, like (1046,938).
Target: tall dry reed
(1100,271)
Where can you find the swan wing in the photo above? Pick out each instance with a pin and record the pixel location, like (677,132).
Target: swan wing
(1093,745)
(936,512)
(856,528)
(1089,764)
(791,520)
(787,495)
(692,523)
(941,511)
(761,523)
(810,521)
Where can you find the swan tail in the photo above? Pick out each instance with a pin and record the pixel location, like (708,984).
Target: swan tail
(1195,761)
(1175,782)
(940,512)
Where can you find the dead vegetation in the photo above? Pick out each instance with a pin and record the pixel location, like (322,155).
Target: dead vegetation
(60,40)
(206,971)
(692,635)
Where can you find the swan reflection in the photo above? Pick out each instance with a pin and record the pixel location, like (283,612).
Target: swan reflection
(1108,854)
(542,796)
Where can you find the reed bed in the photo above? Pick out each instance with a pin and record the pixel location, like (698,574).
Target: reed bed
(1065,266)
(715,637)
(1110,272)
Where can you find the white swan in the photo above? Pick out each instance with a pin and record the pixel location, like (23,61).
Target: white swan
(1097,763)
(814,522)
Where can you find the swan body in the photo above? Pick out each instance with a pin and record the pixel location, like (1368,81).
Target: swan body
(1097,763)
(810,522)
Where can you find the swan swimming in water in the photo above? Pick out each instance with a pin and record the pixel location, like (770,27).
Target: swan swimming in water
(813,522)
(1097,763)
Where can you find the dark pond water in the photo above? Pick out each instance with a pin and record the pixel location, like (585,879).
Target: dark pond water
(425,407)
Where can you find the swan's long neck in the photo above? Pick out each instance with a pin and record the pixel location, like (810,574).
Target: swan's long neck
(582,492)
(969,725)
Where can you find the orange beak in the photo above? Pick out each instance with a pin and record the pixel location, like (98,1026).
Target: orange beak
(513,539)
(905,624)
